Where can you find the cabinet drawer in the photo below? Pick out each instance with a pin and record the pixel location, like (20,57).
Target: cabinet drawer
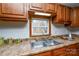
(58,52)
(48,53)
(72,46)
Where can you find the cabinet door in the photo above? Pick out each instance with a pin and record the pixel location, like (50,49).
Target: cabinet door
(63,13)
(13,10)
(72,17)
(36,6)
(71,50)
(51,7)
(60,10)
(75,17)
(58,52)
(48,53)
(68,11)
(78,49)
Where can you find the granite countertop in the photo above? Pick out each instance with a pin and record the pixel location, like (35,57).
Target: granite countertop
(24,48)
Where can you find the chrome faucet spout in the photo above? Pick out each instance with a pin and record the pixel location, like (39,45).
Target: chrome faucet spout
(70,36)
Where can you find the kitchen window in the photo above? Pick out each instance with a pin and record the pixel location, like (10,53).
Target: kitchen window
(39,26)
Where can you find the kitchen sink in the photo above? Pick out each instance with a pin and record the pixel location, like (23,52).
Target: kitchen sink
(37,44)
(44,43)
(51,42)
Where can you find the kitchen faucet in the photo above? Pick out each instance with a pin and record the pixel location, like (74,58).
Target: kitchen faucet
(70,36)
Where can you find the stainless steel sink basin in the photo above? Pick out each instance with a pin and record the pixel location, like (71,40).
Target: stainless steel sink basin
(44,43)
(51,42)
(37,44)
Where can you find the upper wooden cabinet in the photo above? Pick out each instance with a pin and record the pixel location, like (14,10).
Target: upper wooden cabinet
(13,10)
(63,14)
(50,7)
(46,7)
(60,11)
(75,17)
(68,12)
(36,6)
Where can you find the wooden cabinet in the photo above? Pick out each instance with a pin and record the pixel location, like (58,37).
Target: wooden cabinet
(13,11)
(78,49)
(50,7)
(75,17)
(71,50)
(36,6)
(67,21)
(59,52)
(47,53)
(60,11)
(67,13)
(63,14)
(56,52)
(45,7)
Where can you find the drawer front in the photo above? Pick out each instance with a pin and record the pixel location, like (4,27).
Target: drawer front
(48,53)
(58,52)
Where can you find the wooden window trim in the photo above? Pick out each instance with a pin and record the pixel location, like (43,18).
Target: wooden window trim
(30,25)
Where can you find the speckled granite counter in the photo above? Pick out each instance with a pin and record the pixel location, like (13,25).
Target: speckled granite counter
(24,48)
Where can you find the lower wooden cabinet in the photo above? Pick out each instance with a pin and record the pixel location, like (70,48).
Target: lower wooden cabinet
(47,53)
(58,52)
(78,49)
(71,50)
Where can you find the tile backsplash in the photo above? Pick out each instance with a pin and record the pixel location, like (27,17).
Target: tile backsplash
(14,29)
(21,29)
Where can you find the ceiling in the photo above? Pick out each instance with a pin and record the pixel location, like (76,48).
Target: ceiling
(71,4)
